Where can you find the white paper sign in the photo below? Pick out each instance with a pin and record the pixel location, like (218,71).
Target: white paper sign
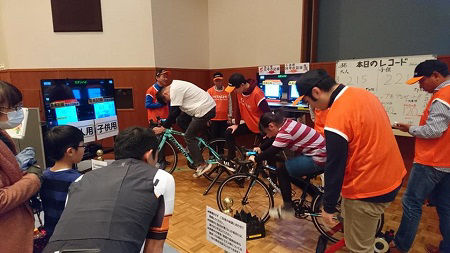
(269,70)
(106,127)
(87,127)
(225,231)
(296,68)
(97,164)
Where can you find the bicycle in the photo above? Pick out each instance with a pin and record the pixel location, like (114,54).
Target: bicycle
(250,193)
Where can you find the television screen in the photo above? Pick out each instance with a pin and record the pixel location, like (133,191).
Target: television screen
(272,89)
(293,92)
(73,100)
(284,90)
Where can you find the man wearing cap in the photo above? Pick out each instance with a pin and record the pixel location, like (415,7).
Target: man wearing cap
(188,98)
(252,104)
(155,110)
(430,174)
(363,159)
(223,107)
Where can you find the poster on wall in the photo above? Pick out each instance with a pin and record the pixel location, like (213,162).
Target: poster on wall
(269,70)
(296,68)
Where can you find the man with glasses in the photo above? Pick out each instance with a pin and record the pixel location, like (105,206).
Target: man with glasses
(363,159)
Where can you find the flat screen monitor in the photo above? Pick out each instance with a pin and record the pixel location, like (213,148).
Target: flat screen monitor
(73,100)
(285,90)
(272,89)
(293,92)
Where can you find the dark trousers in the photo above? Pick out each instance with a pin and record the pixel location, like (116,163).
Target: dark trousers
(284,181)
(196,126)
(230,138)
(183,121)
(218,128)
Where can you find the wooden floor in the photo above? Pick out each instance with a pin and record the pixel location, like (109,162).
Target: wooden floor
(187,226)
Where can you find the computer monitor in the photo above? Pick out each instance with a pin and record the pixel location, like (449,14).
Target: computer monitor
(285,91)
(293,92)
(74,100)
(272,89)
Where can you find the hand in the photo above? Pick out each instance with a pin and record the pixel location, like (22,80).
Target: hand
(252,158)
(329,219)
(233,128)
(402,127)
(159,130)
(150,160)
(257,150)
(36,169)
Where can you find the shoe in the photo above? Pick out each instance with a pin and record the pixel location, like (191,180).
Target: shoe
(202,169)
(281,213)
(431,248)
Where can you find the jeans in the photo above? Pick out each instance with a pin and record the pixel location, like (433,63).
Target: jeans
(424,181)
(196,126)
(302,165)
(230,138)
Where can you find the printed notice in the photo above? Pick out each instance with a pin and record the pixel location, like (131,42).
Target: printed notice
(269,70)
(225,231)
(87,127)
(296,68)
(106,127)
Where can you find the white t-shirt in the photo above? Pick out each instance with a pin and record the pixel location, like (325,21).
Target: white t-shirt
(191,99)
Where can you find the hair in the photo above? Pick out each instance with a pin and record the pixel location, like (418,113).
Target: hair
(158,72)
(9,95)
(134,142)
(314,78)
(236,80)
(59,138)
(160,97)
(276,117)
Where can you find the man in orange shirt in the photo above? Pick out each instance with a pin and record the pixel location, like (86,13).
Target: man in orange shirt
(252,104)
(219,123)
(430,174)
(155,109)
(363,159)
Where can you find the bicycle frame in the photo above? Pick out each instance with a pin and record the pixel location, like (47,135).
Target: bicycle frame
(169,136)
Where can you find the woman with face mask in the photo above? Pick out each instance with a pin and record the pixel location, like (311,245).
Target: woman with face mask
(16,187)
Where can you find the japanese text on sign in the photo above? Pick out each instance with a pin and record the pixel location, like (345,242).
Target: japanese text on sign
(225,231)
(87,127)
(296,68)
(269,70)
(106,127)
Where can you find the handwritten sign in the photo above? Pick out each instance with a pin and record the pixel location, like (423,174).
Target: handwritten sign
(87,127)
(386,77)
(106,127)
(296,68)
(225,231)
(269,70)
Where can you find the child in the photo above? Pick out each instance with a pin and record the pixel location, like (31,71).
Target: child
(306,142)
(64,145)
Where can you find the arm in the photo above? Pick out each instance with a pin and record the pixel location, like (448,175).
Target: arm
(264,106)
(152,246)
(268,153)
(174,112)
(337,153)
(16,194)
(150,104)
(436,124)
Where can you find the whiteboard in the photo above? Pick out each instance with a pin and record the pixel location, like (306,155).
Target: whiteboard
(385,77)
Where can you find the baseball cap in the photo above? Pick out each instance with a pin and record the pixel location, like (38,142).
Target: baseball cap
(235,81)
(309,80)
(426,68)
(217,76)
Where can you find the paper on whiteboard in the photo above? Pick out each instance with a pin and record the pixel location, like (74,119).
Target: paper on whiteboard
(385,77)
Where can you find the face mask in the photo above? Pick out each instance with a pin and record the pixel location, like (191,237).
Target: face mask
(14,119)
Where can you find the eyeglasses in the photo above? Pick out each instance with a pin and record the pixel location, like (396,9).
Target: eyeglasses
(82,146)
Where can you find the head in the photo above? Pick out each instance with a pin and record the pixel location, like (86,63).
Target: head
(316,87)
(270,123)
(429,74)
(136,142)
(11,112)
(64,143)
(237,82)
(218,80)
(163,77)
(163,95)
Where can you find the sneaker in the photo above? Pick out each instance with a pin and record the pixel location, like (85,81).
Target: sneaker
(202,169)
(281,213)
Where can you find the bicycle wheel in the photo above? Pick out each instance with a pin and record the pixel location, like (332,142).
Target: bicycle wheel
(220,147)
(170,159)
(247,193)
(336,233)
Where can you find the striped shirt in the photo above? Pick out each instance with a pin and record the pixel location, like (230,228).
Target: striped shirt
(53,193)
(303,140)
(437,121)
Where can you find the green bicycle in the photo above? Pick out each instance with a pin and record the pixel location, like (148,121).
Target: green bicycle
(215,149)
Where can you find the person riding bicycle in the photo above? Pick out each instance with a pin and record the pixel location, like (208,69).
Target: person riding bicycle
(306,142)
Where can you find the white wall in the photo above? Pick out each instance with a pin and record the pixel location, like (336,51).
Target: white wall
(254,32)
(29,40)
(180,32)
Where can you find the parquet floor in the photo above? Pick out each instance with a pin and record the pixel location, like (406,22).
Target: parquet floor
(187,226)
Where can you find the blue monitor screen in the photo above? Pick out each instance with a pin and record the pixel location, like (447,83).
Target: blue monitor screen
(105,109)
(94,92)
(293,94)
(272,89)
(65,115)
(76,94)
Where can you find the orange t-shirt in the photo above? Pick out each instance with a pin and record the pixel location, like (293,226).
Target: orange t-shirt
(374,165)
(320,117)
(222,101)
(248,107)
(153,113)
(434,152)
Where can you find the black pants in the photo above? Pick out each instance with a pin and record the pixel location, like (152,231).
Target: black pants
(218,128)
(230,138)
(183,121)
(196,126)
(284,181)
